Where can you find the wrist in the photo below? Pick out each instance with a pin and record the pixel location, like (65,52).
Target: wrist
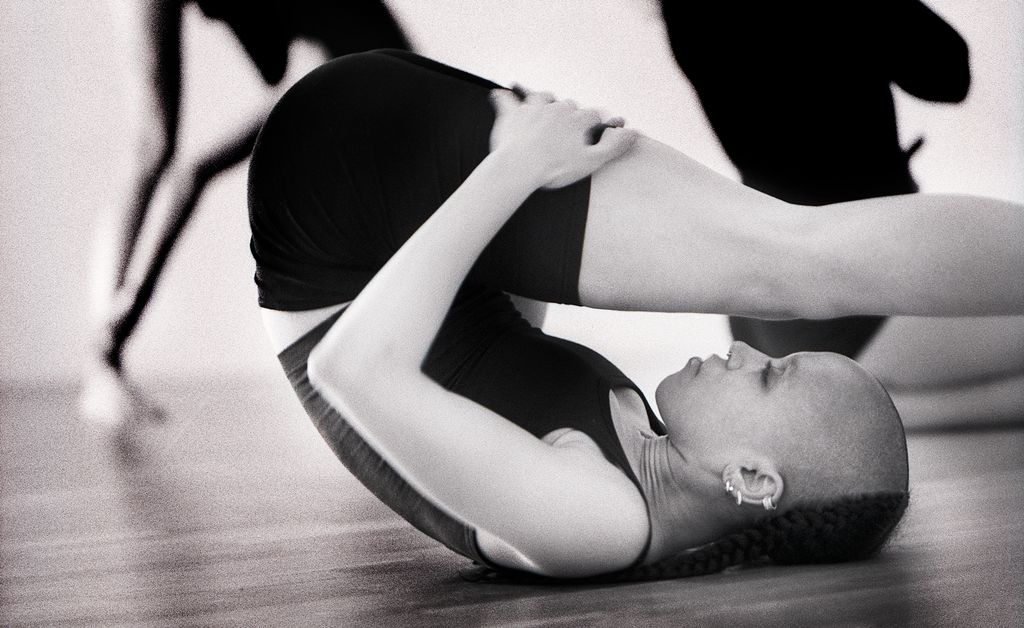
(517,169)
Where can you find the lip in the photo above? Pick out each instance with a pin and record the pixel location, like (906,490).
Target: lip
(693,366)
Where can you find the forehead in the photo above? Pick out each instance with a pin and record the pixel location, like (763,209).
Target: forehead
(829,378)
(825,366)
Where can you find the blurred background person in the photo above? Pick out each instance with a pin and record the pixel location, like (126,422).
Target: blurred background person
(128,273)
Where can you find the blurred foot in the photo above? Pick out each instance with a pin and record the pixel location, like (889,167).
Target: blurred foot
(108,398)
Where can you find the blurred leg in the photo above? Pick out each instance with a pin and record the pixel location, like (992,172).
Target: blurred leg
(152,30)
(188,184)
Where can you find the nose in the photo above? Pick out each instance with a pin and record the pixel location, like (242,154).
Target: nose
(740,354)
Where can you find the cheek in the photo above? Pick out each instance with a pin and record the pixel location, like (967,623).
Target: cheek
(689,412)
(729,413)
(709,409)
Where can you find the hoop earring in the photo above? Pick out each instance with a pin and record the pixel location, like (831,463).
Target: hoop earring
(767,502)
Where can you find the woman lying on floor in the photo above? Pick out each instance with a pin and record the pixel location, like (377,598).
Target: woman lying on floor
(395,200)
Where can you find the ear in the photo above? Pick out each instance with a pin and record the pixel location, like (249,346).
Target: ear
(751,480)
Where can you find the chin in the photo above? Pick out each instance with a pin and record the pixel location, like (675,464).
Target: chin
(667,392)
(659,393)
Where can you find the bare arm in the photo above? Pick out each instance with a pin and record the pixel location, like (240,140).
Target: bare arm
(568,513)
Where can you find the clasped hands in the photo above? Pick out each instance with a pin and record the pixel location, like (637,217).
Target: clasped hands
(555,140)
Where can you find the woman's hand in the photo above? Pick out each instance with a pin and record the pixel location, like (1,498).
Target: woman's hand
(554,140)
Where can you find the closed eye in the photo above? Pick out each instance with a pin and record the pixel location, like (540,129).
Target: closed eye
(770,373)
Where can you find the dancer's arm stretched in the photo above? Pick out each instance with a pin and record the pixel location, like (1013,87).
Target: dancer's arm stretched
(568,512)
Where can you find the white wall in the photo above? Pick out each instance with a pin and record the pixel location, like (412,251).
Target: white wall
(64,157)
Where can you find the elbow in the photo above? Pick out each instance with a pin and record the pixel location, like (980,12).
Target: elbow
(344,368)
(332,372)
(325,373)
(339,382)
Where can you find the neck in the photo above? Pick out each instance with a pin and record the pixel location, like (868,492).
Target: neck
(687,504)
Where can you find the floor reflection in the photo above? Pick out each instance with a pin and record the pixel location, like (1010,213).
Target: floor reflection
(165,551)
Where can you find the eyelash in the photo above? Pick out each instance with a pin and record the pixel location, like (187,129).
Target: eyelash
(766,373)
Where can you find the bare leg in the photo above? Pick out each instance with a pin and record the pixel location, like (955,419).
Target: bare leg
(108,396)
(128,275)
(667,234)
(945,372)
(153,31)
(155,95)
(189,185)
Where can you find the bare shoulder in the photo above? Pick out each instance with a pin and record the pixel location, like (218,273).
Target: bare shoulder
(581,549)
(570,438)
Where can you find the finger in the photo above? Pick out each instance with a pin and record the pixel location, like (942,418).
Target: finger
(520,91)
(614,143)
(596,126)
(503,100)
(595,132)
(616,121)
(540,97)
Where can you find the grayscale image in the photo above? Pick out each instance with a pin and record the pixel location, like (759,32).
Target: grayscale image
(451,313)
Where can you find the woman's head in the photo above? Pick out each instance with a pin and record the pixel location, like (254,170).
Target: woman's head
(809,426)
(813,432)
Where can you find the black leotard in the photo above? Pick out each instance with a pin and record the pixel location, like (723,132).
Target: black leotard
(356,157)
(359,153)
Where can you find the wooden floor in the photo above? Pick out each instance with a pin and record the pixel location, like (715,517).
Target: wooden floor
(234,513)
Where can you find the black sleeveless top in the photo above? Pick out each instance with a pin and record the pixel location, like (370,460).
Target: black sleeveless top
(488,353)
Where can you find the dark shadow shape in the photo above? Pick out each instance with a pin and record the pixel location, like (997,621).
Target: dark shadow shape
(799,95)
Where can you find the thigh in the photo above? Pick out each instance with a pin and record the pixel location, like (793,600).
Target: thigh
(359,153)
(664,233)
(913,353)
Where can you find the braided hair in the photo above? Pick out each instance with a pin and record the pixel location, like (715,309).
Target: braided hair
(839,530)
